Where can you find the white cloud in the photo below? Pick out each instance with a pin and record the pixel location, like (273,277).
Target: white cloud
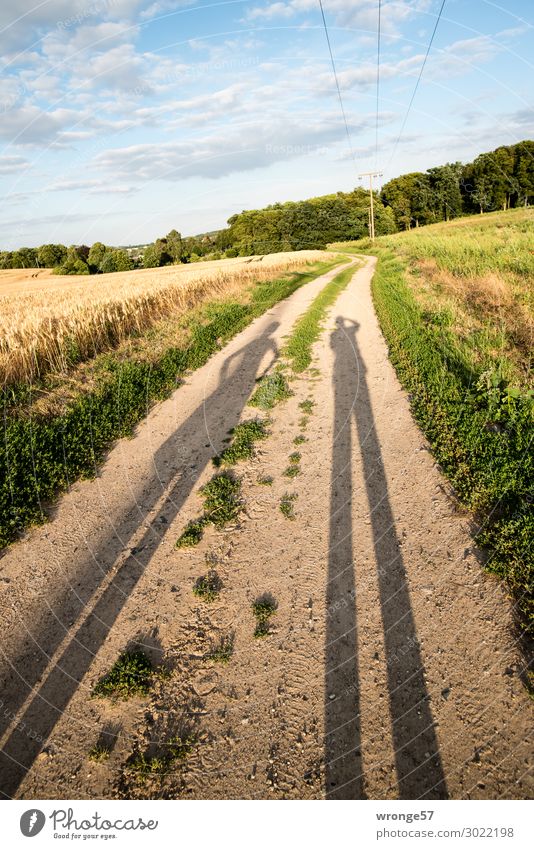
(13,164)
(361,14)
(254,145)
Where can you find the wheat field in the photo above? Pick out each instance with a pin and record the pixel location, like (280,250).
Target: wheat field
(47,322)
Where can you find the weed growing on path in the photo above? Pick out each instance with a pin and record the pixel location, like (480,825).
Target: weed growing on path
(242,443)
(286,505)
(130,675)
(263,608)
(208,586)
(176,750)
(272,389)
(223,651)
(222,504)
(298,348)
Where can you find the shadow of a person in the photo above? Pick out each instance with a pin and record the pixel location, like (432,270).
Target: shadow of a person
(417,759)
(198,438)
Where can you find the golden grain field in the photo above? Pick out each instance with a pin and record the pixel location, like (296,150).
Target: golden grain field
(47,321)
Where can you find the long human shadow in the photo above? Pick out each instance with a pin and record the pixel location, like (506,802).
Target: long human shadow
(197,439)
(417,759)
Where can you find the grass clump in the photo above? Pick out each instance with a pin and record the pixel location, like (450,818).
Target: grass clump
(208,586)
(131,675)
(242,443)
(192,534)
(294,465)
(177,749)
(99,753)
(264,480)
(221,499)
(272,389)
(307,406)
(222,505)
(300,439)
(105,744)
(223,651)
(263,608)
(287,505)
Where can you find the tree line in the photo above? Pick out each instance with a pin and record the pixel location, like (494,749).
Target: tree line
(500,179)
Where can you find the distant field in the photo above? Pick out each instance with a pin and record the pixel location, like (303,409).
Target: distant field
(49,322)
(455,303)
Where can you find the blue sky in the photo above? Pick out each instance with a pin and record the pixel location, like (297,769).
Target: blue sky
(123,119)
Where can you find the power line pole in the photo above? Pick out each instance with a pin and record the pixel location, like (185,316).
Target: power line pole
(371,174)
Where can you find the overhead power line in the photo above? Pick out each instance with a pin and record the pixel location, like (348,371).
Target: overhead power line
(377,78)
(416,84)
(336,79)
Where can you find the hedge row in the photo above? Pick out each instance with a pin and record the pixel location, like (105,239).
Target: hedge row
(40,455)
(479,429)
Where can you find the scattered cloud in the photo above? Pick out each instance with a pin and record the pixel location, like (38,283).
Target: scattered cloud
(13,164)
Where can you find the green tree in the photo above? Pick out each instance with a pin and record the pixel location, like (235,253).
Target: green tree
(174,245)
(24,258)
(150,257)
(96,257)
(49,256)
(445,194)
(123,261)
(73,264)
(523,174)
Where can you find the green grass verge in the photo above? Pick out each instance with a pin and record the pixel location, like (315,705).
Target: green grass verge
(480,429)
(298,348)
(42,454)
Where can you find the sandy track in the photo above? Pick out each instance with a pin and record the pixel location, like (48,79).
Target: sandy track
(391,670)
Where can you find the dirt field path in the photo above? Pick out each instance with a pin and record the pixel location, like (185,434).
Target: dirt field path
(390,670)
